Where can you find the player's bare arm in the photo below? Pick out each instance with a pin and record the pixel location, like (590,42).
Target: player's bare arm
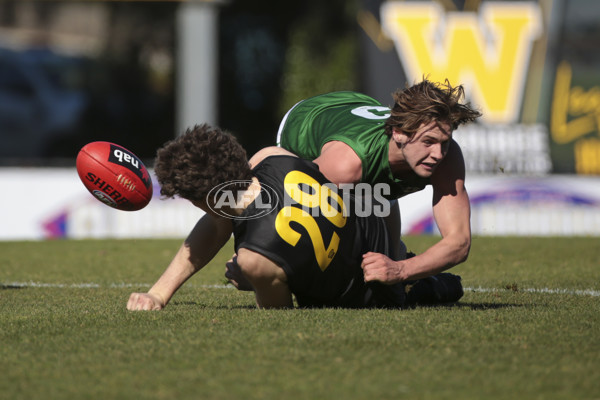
(451,210)
(452,214)
(339,163)
(208,236)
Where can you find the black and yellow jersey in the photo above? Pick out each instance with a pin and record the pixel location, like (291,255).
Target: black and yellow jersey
(302,223)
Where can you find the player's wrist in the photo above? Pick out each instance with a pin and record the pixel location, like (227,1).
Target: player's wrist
(159,297)
(403,270)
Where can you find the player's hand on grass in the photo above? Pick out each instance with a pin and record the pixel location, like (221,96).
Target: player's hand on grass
(144,302)
(378,267)
(234,275)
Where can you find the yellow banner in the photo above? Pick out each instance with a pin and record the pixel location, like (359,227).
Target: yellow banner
(487,51)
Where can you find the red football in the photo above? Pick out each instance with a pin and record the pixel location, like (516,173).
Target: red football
(114,175)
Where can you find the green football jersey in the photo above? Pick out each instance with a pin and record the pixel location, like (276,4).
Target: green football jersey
(354,119)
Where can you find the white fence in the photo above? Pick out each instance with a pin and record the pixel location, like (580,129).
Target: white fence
(53,203)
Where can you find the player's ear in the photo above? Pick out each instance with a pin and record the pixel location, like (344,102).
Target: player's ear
(398,136)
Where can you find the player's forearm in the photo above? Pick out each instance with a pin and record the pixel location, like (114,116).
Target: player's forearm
(445,254)
(204,241)
(178,271)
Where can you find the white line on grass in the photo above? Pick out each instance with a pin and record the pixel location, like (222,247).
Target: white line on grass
(31,284)
(479,289)
(585,292)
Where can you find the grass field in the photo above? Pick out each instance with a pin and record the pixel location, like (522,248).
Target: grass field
(528,327)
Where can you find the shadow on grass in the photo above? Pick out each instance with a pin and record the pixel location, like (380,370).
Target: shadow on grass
(216,307)
(8,286)
(472,306)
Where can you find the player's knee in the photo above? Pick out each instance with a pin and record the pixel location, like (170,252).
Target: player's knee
(259,271)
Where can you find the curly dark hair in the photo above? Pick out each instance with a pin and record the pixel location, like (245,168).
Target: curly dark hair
(197,161)
(427,101)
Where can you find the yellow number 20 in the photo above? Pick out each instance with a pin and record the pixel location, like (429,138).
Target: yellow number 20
(319,197)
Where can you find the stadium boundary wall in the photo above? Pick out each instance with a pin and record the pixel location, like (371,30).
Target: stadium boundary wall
(52,203)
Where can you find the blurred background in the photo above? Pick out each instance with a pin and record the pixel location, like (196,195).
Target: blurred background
(139,72)
(76,71)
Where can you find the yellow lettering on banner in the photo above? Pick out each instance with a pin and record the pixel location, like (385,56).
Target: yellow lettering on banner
(489,54)
(587,156)
(566,101)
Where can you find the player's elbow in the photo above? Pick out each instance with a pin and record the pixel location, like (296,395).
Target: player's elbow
(463,247)
(458,247)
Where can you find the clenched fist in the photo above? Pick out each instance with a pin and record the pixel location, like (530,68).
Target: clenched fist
(378,267)
(144,302)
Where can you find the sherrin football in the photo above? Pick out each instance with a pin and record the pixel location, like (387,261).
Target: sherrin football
(114,175)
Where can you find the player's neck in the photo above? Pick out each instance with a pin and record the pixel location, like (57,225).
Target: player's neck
(248,196)
(229,204)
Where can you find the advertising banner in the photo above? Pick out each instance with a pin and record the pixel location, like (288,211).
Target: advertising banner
(531,67)
(53,204)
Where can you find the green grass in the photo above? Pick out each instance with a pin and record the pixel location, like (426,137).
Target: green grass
(64,341)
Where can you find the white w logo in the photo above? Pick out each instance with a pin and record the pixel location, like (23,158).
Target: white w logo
(489,54)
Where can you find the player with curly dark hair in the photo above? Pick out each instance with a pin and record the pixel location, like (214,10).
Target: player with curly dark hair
(187,166)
